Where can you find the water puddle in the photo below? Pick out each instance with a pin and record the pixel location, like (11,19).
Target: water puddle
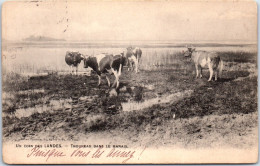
(33,75)
(133,105)
(86,73)
(64,104)
(53,105)
(249,76)
(31,91)
(26,112)
(88,98)
(250,67)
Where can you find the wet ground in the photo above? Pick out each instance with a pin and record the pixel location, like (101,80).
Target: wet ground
(159,106)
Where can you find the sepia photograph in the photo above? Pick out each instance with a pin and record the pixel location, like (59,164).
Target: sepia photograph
(129,82)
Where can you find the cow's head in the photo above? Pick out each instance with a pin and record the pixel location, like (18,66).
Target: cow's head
(82,57)
(85,60)
(124,61)
(129,48)
(124,58)
(189,52)
(76,57)
(68,53)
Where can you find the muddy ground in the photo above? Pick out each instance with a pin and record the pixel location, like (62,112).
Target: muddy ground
(186,112)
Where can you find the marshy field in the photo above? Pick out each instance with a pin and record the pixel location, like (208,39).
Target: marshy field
(162,105)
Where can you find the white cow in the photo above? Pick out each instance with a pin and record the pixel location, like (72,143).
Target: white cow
(133,56)
(203,59)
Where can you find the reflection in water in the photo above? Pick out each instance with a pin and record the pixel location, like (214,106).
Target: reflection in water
(54,105)
(133,105)
(31,91)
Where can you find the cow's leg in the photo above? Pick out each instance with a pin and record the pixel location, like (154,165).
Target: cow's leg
(99,80)
(138,59)
(128,64)
(210,71)
(136,66)
(116,78)
(216,75)
(71,69)
(116,74)
(77,70)
(200,72)
(108,82)
(130,67)
(120,70)
(197,70)
(74,70)
(136,63)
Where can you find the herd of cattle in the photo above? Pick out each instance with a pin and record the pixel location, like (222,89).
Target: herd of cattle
(110,64)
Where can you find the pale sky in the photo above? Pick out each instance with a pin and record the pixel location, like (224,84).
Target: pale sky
(169,20)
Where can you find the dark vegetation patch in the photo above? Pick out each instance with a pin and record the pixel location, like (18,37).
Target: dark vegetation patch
(241,57)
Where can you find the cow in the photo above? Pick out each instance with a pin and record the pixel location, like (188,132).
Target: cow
(133,56)
(106,64)
(73,59)
(203,59)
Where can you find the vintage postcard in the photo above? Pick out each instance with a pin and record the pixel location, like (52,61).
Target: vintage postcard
(129,82)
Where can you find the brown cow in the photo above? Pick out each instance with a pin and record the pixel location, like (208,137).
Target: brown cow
(73,59)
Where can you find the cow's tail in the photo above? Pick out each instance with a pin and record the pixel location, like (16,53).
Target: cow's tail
(220,68)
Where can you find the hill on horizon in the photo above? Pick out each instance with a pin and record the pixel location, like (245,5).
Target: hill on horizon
(41,38)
